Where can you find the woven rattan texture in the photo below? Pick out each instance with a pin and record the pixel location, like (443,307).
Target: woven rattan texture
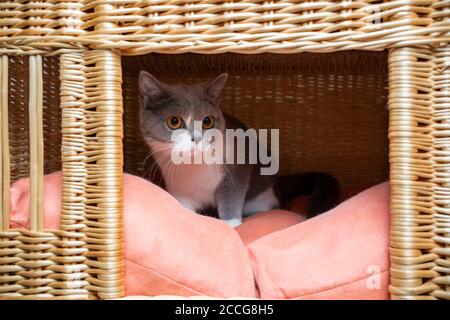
(37,264)
(440,79)
(103,200)
(85,258)
(418,134)
(42,265)
(87,38)
(210,26)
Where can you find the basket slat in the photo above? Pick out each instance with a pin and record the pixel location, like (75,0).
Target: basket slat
(103,157)
(284,26)
(4,148)
(73,115)
(440,79)
(36,145)
(418,184)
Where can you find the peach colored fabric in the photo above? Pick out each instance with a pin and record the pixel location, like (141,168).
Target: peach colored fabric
(20,202)
(264,223)
(172,251)
(183,252)
(168,249)
(342,253)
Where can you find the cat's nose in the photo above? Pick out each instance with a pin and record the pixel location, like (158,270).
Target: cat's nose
(196,139)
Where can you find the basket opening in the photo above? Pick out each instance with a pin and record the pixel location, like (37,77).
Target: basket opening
(19,135)
(330,108)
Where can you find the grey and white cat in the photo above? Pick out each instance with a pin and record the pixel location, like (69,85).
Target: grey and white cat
(234,190)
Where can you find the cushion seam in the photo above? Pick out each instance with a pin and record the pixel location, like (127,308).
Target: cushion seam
(343,284)
(254,262)
(171,280)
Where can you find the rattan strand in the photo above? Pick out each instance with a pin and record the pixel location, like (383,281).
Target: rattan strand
(46,264)
(440,80)
(4,148)
(411,174)
(172,26)
(36,145)
(103,185)
(73,95)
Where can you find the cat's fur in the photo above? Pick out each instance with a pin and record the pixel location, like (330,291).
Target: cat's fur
(235,190)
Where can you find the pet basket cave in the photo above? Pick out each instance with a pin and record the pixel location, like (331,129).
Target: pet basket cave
(360,90)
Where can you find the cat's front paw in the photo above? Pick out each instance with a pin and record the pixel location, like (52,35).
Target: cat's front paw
(234,222)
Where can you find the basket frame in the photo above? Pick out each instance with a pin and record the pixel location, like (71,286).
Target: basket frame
(91,36)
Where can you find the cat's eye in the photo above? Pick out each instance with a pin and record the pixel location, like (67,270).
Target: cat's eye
(174,122)
(208,122)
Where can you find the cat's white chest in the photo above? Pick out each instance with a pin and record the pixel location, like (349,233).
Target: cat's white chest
(194,185)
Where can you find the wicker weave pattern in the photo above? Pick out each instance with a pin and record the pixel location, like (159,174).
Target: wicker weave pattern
(274,26)
(37,264)
(441,115)
(73,140)
(42,265)
(9,267)
(208,26)
(411,174)
(85,258)
(419,179)
(103,198)
(39,26)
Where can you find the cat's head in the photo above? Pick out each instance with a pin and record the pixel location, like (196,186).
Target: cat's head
(168,108)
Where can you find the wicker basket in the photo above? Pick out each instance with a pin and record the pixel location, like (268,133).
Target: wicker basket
(66,104)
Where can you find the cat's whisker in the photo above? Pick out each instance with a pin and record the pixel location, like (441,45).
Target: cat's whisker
(157,166)
(154,167)
(164,162)
(151,153)
(153,170)
(171,171)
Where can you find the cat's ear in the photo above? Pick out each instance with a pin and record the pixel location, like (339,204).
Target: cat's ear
(214,88)
(150,88)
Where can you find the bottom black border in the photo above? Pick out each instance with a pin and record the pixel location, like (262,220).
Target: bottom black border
(221,309)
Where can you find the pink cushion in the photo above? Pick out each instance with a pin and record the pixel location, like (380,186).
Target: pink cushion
(168,249)
(20,202)
(264,223)
(341,254)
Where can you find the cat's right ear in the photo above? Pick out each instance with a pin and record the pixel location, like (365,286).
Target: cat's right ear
(150,88)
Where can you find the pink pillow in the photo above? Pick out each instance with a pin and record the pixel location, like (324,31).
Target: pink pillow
(264,223)
(19,204)
(168,249)
(341,254)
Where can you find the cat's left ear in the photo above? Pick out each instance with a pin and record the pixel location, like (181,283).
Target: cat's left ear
(214,88)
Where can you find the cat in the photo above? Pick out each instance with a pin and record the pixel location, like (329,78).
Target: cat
(235,191)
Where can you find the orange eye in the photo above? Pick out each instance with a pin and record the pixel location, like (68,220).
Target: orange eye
(208,122)
(174,122)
